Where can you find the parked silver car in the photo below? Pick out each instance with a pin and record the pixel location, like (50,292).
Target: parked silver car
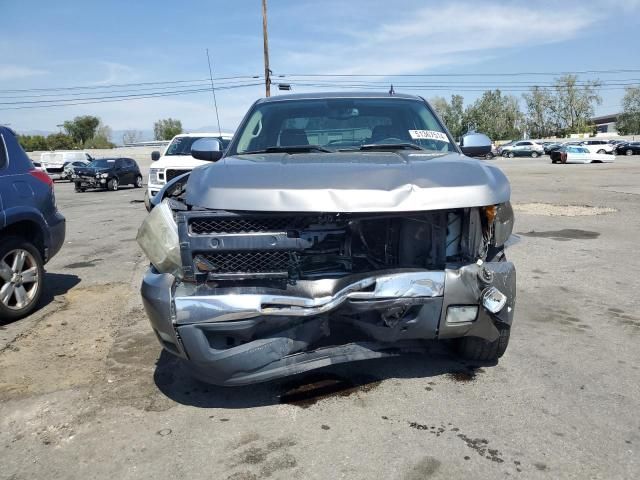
(523,148)
(334,228)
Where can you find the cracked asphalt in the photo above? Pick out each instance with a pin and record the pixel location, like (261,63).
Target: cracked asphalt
(85,391)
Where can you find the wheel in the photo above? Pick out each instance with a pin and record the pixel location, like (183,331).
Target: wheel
(489,156)
(602,150)
(21,275)
(511,154)
(112,184)
(628,152)
(138,183)
(79,189)
(476,348)
(553,161)
(534,154)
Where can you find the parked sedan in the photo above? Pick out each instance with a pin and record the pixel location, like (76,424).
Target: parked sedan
(579,154)
(632,148)
(524,148)
(598,146)
(107,173)
(69,169)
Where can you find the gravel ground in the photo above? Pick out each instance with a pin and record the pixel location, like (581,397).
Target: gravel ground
(85,391)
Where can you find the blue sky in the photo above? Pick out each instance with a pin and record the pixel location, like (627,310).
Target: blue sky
(47,44)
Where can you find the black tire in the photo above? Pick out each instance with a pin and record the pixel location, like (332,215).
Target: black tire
(534,154)
(478,349)
(79,189)
(511,154)
(628,152)
(602,150)
(7,310)
(488,156)
(138,183)
(113,184)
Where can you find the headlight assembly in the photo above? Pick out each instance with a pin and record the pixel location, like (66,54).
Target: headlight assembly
(503,223)
(158,238)
(153,175)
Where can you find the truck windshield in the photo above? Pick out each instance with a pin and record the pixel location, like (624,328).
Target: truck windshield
(182,145)
(340,124)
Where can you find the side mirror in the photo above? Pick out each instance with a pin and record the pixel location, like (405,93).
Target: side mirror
(155,155)
(475,144)
(207,149)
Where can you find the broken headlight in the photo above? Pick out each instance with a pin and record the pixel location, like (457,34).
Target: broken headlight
(502,223)
(158,238)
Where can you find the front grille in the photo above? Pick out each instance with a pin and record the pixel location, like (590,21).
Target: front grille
(264,261)
(205,226)
(171,174)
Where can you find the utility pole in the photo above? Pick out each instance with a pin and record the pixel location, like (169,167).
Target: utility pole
(267,72)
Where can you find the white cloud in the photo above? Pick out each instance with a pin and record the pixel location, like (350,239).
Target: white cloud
(437,36)
(15,72)
(117,73)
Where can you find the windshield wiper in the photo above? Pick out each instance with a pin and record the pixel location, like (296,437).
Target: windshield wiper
(292,149)
(391,146)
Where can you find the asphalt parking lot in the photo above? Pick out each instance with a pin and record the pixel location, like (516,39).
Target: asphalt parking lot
(85,391)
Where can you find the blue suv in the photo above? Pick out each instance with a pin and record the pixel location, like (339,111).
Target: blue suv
(31,228)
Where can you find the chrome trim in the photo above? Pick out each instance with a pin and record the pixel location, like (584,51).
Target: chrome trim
(218,308)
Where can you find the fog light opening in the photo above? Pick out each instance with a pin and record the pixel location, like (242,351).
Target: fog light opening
(461,314)
(493,299)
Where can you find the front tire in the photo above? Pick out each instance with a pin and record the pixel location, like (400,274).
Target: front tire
(511,154)
(628,152)
(602,150)
(534,154)
(479,349)
(113,184)
(138,183)
(21,278)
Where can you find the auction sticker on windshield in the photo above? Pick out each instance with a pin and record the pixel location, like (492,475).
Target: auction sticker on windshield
(428,135)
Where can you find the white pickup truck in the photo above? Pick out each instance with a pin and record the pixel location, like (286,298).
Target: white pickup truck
(177,160)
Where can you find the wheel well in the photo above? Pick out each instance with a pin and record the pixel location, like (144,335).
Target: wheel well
(28,230)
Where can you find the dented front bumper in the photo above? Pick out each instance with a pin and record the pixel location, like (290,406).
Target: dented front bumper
(241,335)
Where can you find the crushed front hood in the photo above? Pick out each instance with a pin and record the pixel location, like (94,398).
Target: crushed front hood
(347,182)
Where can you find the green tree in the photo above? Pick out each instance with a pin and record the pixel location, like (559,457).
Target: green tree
(101,138)
(540,118)
(495,115)
(32,143)
(82,128)
(574,103)
(167,128)
(60,141)
(629,120)
(452,114)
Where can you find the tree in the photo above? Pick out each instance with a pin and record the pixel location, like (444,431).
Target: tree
(574,103)
(629,120)
(541,119)
(496,115)
(167,128)
(60,141)
(32,143)
(82,128)
(101,138)
(131,136)
(452,114)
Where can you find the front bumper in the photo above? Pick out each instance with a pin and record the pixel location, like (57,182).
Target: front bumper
(235,336)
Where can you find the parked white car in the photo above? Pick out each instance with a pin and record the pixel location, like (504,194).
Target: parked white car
(177,160)
(579,154)
(598,146)
(53,162)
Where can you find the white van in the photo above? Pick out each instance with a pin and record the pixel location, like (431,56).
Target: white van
(53,162)
(177,160)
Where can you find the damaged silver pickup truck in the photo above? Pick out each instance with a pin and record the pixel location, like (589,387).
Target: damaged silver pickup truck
(335,228)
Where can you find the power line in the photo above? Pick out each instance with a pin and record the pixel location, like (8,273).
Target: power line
(42,95)
(117,85)
(501,74)
(127,98)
